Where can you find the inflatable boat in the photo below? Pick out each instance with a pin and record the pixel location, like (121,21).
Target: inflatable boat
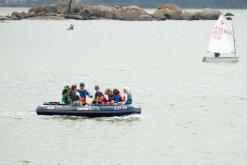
(55,108)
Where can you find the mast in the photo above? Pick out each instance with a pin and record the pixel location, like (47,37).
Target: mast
(234,39)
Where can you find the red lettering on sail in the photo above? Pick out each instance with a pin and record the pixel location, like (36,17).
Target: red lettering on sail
(219,31)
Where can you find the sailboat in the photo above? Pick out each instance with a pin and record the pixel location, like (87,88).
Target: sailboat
(222,41)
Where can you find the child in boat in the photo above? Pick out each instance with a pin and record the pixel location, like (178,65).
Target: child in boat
(83,93)
(65,98)
(74,96)
(127,96)
(108,98)
(117,97)
(97,96)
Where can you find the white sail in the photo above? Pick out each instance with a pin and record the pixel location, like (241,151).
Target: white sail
(222,37)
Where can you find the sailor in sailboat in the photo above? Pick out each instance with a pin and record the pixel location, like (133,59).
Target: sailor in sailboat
(216,54)
(222,41)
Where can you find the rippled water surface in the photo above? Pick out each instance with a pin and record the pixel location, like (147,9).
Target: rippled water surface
(194,113)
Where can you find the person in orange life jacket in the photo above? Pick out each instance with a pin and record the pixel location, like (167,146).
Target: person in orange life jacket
(97,96)
(108,98)
(83,93)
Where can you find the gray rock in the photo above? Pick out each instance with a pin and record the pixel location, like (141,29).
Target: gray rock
(103,11)
(45,17)
(51,9)
(146,17)
(41,14)
(196,16)
(63,6)
(43,9)
(187,15)
(169,11)
(51,14)
(131,13)
(12,17)
(3,18)
(209,14)
(76,6)
(69,6)
(190,15)
(31,14)
(19,15)
(74,16)
(36,9)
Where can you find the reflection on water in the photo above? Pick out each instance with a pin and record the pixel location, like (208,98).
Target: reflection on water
(130,118)
(24,162)
(17,115)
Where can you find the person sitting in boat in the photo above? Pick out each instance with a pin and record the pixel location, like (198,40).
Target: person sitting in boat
(127,96)
(74,96)
(108,98)
(83,94)
(117,97)
(65,98)
(216,55)
(97,96)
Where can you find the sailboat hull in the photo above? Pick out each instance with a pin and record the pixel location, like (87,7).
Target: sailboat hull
(220,59)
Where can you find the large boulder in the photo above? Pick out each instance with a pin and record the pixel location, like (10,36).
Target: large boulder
(43,8)
(69,6)
(87,11)
(190,15)
(74,16)
(19,15)
(209,14)
(132,13)
(187,15)
(36,9)
(3,18)
(63,6)
(168,11)
(31,14)
(103,11)
(76,6)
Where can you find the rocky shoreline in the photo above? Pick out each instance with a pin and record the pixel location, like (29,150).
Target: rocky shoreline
(74,9)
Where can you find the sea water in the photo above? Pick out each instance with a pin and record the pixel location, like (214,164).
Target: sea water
(193,113)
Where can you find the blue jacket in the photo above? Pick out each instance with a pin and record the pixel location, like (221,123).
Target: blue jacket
(83,93)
